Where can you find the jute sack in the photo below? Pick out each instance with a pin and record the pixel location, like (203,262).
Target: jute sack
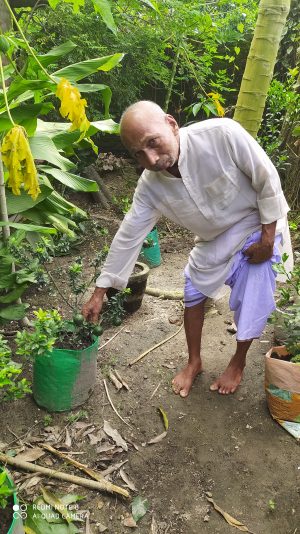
(282,386)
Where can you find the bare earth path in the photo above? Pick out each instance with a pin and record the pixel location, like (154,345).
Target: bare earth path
(226,445)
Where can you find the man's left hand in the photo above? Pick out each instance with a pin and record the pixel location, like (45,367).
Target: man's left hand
(259,252)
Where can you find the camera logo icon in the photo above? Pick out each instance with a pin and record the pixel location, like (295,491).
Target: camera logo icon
(20,511)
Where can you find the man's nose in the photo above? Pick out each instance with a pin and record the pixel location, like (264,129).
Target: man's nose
(152,157)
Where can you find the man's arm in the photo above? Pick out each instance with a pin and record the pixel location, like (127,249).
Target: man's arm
(123,253)
(263,250)
(251,159)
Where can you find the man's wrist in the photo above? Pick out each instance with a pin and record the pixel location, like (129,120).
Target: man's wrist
(268,233)
(99,292)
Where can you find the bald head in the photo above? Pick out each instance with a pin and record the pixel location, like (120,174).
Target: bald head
(150,135)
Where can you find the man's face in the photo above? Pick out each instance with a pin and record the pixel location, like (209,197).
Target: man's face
(154,142)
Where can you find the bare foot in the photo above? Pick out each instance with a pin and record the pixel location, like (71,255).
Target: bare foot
(229,381)
(183,381)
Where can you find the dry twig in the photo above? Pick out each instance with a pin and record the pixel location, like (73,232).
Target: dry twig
(155,347)
(111,403)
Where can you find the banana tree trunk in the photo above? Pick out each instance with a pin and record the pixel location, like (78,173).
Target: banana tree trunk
(260,64)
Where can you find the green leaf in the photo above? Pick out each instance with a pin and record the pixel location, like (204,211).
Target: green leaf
(29,227)
(105,91)
(20,85)
(73,181)
(240,27)
(15,312)
(139,507)
(296,131)
(197,108)
(25,116)
(107,126)
(152,4)
(43,148)
(57,52)
(77,71)
(165,418)
(8,281)
(57,504)
(237,50)
(13,295)
(37,522)
(103,8)
(23,202)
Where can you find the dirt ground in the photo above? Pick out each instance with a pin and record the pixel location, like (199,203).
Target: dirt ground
(225,446)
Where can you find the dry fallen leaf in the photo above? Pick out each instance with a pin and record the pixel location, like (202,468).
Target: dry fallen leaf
(114,434)
(30,482)
(94,438)
(30,455)
(157,439)
(129,522)
(127,480)
(230,520)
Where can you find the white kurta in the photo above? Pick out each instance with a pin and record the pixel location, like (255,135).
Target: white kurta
(228,188)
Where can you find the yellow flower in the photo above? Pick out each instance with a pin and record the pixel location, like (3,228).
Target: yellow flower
(215,97)
(72,106)
(17,158)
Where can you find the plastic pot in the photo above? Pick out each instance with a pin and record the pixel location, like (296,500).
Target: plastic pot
(282,386)
(16,526)
(64,379)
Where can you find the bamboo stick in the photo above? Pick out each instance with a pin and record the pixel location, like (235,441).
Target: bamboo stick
(51,473)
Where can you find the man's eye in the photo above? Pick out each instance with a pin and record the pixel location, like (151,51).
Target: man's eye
(153,142)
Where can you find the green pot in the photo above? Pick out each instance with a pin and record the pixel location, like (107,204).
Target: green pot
(64,379)
(16,526)
(151,254)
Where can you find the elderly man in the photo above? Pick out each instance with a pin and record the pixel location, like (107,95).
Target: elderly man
(215,180)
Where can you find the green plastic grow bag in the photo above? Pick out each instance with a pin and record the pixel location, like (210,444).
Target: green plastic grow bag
(64,379)
(152,254)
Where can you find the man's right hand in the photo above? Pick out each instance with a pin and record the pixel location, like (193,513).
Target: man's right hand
(92,308)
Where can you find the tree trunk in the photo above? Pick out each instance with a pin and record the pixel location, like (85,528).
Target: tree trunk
(260,64)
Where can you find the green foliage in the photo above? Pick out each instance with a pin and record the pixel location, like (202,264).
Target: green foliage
(11,387)
(114,311)
(211,39)
(46,328)
(283,104)
(5,488)
(291,290)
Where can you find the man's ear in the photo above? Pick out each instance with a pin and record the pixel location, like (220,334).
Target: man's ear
(172,122)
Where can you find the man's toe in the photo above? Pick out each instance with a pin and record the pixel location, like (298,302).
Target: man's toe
(214,387)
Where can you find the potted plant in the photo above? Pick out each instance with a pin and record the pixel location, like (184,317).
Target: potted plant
(135,288)
(64,352)
(10,512)
(282,363)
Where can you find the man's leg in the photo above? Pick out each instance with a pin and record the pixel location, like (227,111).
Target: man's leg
(193,322)
(252,300)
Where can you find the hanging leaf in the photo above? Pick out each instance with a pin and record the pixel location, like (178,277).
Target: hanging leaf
(139,507)
(29,227)
(55,53)
(43,148)
(72,180)
(80,70)
(106,126)
(228,518)
(103,8)
(153,4)
(17,204)
(165,418)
